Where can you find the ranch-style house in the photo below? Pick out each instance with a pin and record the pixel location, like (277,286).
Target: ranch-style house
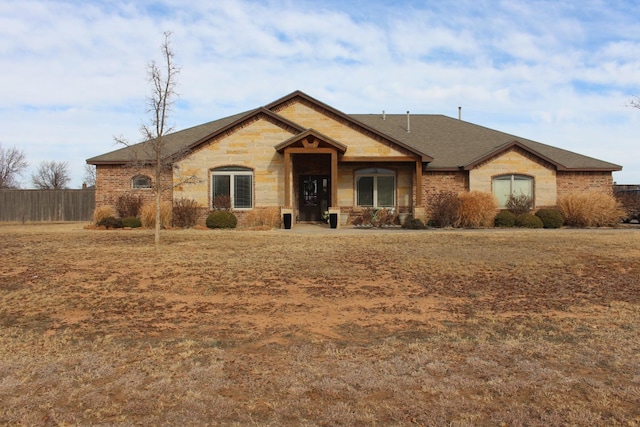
(306,158)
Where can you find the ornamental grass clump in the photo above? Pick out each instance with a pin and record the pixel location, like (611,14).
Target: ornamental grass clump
(591,209)
(476,210)
(101,213)
(264,218)
(551,218)
(148,215)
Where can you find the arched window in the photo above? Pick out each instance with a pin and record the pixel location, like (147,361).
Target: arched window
(506,186)
(376,187)
(232,187)
(140,181)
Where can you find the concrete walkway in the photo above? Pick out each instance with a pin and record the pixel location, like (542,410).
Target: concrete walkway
(345,229)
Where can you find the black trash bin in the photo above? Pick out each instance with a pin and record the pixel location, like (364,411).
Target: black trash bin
(333,220)
(287,220)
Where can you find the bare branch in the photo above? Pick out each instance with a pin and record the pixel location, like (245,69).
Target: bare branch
(635,103)
(51,175)
(12,164)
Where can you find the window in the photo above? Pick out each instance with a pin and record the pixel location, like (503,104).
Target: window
(376,187)
(141,181)
(506,186)
(235,184)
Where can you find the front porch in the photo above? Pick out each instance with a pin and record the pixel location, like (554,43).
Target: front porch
(320,178)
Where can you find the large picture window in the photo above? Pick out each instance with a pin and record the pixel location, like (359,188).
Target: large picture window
(376,188)
(235,184)
(505,186)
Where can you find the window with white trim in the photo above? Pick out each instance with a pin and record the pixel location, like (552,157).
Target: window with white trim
(140,181)
(376,187)
(234,183)
(505,186)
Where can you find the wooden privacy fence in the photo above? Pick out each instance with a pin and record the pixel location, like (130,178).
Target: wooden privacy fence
(46,205)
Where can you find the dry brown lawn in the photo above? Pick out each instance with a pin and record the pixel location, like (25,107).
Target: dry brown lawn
(401,328)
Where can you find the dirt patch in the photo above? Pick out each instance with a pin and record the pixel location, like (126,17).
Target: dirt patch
(272,328)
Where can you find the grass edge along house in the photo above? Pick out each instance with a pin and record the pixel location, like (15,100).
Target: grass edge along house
(304,157)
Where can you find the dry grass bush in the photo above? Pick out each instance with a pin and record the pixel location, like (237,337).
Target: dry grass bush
(102,212)
(443,209)
(263,218)
(476,210)
(591,209)
(129,205)
(519,204)
(185,212)
(148,215)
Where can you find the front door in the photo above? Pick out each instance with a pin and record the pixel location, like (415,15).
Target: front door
(315,196)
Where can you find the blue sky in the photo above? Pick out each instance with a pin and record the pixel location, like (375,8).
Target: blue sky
(73,73)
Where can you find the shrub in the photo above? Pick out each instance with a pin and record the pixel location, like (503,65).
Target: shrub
(504,219)
(222,219)
(110,222)
(264,217)
(519,204)
(131,222)
(222,202)
(128,205)
(384,217)
(551,218)
(411,223)
(443,208)
(528,221)
(185,212)
(476,209)
(148,215)
(102,212)
(591,209)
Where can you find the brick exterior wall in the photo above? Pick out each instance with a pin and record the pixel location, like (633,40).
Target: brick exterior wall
(434,182)
(571,182)
(112,181)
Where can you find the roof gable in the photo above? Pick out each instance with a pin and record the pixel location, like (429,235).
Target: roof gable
(348,120)
(311,139)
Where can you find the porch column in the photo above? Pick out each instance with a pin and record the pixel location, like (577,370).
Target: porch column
(287,178)
(334,178)
(418,183)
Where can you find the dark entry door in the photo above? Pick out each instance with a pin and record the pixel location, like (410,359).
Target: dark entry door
(314,196)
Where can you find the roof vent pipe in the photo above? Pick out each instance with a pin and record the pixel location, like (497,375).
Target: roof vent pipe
(383,115)
(459,113)
(408,123)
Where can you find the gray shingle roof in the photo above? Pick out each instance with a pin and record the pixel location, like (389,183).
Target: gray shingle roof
(173,143)
(452,143)
(455,144)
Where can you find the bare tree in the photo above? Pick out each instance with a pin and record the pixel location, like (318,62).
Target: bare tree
(51,175)
(12,164)
(635,103)
(89,175)
(153,151)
